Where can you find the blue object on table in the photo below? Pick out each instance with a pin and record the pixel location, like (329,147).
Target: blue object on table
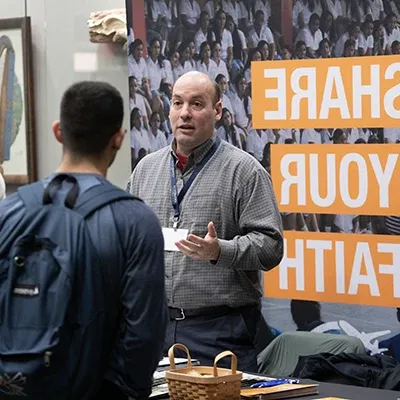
(274,382)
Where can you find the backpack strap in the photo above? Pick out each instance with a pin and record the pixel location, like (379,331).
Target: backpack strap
(56,184)
(100,196)
(95,198)
(35,193)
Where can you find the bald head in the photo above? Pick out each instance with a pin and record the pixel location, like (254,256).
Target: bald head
(195,108)
(203,80)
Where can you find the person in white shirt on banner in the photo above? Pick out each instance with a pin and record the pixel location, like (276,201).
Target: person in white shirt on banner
(140,145)
(311,35)
(137,66)
(157,139)
(366,39)
(136,100)
(189,12)
(216,56)
(261,32)
(226,129)
(224,37)
(205,64)
(202,34)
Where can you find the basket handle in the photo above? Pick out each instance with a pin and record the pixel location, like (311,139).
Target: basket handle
(222,355)
(171,355)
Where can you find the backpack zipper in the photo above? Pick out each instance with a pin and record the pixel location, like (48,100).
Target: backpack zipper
(47,356)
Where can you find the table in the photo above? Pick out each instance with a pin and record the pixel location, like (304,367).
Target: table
(345,392)
(349,392)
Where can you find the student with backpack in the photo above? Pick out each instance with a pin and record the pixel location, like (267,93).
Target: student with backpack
(82,301)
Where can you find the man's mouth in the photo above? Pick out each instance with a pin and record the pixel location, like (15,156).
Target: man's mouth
(186,127)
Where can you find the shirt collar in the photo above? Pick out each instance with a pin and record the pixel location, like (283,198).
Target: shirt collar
(197,154)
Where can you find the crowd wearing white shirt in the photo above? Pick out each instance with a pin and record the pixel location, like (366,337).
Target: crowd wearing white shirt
(342,28)
(221,38)
(213,37)
(347,28)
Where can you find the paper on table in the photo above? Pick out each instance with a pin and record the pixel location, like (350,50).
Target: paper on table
(250,377)
(279,392)
(165,361)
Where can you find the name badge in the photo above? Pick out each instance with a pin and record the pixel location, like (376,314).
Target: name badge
(171,236)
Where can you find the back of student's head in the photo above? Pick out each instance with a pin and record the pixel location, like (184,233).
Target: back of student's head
(91,113)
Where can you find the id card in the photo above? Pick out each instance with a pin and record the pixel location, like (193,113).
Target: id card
(171,236)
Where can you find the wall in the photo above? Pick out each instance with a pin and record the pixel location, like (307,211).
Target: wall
(59,33)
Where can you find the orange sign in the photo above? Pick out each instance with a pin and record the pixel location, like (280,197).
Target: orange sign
(337,179)
(327,93)
(338,268)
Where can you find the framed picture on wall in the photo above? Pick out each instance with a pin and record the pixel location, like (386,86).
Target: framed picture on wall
(17,127)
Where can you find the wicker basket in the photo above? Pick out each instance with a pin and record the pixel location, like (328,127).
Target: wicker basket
(203,383)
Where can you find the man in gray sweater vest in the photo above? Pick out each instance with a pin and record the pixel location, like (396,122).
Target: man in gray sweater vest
(221,227)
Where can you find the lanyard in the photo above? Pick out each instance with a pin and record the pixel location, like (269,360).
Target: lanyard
(177,198)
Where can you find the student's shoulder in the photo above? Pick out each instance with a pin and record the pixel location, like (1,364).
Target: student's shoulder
(131,210)
(10,205)
(134,219)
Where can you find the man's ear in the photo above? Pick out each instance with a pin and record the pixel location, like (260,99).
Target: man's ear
(218,110)
(118,138)
(56,127)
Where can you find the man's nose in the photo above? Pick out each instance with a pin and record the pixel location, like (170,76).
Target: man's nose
(185,112)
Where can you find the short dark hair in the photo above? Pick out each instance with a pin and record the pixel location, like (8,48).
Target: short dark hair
(203,14)
(337,134)
(314,17)
(91,113)
(348,43)
(238,78)
(154,114)
(373,139)
(395,43)
(219,78)
(134,112)
(259,13)
(299,44)
(360,141)
(136,43)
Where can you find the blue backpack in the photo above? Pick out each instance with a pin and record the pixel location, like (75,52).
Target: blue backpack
(51,288)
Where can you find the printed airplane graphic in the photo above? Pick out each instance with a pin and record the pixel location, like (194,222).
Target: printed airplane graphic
(370,340)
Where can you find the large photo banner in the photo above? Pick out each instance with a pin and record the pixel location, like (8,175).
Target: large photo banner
(340,273)
(305,84)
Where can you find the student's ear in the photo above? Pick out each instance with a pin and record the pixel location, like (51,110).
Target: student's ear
(118,139)
(56,127)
